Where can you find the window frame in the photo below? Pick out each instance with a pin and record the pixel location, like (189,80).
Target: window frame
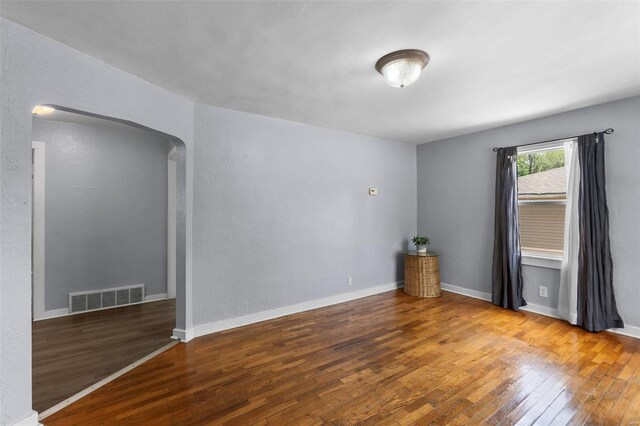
(540,258)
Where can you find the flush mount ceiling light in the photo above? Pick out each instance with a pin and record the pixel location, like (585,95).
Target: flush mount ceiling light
(42,110)
(403,67)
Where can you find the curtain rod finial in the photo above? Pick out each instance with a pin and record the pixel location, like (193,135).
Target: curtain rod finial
(608,131)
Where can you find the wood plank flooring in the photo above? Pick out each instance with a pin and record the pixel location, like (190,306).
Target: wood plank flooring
(386,359)
(71,353)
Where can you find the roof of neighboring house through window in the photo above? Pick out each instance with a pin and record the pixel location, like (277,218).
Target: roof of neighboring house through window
(543,183)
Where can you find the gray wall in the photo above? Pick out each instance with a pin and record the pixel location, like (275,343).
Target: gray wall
(284,216)
(105,208)
(456,193)
(62,76)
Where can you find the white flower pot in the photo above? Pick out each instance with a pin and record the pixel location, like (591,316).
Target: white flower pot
(421,249)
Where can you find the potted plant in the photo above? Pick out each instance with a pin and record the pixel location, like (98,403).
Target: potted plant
(421,243)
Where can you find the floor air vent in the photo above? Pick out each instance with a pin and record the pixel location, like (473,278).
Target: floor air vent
(84,301)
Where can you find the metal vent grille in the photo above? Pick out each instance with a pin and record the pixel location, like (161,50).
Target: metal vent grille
(135,295)
(93,300)
(78,303)
(108,298)
(122,297)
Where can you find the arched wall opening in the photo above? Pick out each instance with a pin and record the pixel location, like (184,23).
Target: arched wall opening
(115,236)
(64,77)
(178,156)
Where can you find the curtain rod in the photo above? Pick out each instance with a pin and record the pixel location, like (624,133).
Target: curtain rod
(606,132)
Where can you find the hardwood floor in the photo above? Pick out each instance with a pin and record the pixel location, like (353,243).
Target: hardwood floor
(385,359)
(71,353)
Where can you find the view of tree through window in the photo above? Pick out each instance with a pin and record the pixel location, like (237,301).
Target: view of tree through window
(542,193)
(535,162)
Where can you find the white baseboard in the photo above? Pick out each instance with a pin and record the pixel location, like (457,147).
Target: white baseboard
(182,335)
(628,330)
(154,297)
(55,313)
(30,420)
(212,327)
(542,310)
(466,292)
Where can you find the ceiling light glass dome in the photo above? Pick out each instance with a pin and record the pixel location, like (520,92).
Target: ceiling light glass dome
(403,67)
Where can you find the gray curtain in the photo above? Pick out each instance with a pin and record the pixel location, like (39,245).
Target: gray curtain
(507,259)
(597,308)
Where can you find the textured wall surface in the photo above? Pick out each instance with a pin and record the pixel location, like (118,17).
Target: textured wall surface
(36,70)
(105,208)
(284,216)
(456,193)
(533,277)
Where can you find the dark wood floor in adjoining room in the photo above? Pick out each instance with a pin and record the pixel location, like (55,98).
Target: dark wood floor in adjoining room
(385,359)
(73,352)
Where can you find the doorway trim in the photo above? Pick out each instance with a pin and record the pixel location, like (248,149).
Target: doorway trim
(37,237)
(172,194)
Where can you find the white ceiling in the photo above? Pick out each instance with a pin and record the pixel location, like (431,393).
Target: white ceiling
(492,63)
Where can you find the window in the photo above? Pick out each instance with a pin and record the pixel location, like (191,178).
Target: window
(542,196)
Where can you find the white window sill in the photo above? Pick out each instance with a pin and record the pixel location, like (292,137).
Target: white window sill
(542,260)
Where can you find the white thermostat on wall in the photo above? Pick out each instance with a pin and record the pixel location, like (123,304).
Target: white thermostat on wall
(373,191)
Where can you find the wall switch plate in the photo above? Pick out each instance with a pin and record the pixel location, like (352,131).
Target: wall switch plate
(350,281)
(373,191)
(543,291)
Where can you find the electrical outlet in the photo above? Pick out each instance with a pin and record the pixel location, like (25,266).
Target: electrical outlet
(543,291)
(350,281)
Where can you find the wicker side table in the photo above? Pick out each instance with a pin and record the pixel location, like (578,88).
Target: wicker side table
(421,274)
